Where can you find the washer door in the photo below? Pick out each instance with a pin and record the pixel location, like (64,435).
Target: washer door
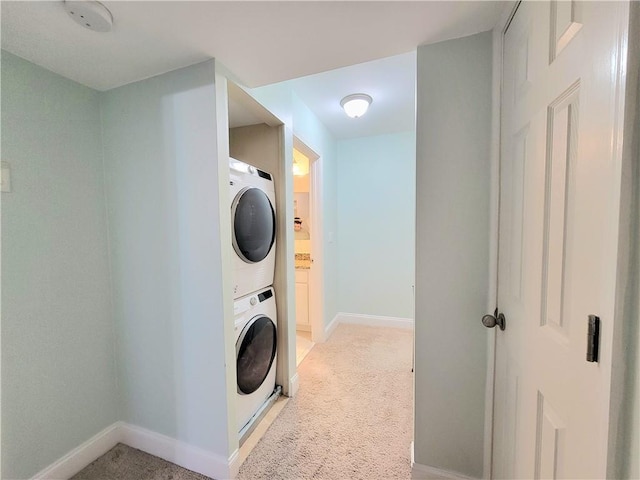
(255,351)
(254,224)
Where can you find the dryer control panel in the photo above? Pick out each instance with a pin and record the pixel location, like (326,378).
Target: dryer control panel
(245,168)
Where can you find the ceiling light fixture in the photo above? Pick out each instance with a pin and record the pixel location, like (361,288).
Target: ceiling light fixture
(356,105)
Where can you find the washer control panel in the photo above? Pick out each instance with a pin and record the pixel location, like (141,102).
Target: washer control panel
(243,304)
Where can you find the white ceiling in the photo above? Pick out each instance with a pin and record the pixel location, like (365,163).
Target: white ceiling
(261,42)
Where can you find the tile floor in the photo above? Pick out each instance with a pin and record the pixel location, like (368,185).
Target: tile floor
(303,345)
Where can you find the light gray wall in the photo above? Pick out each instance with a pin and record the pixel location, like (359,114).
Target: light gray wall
(452,250)
(631,404)
(58,367)
(160,150)
(630,419)
(376,224)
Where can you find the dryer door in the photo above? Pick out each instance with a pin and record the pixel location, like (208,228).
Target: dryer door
(255,351)
(254,224)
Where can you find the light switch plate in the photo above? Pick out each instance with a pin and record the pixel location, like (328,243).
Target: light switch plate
(5,177)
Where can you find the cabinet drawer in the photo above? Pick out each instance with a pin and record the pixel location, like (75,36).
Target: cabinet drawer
(302,276)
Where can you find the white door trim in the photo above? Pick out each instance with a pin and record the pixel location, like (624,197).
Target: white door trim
(492,298)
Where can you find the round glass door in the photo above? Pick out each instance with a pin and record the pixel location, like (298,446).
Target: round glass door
(254,225)
(255,351)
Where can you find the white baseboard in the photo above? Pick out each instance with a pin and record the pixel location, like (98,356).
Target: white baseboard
(367,320)
(425,472)
(175,451)
(235,461)
(374,320)
(328,330)
(82,455)
(167,448)
(294,384)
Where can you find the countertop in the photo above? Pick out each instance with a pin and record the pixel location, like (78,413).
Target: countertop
(303,261)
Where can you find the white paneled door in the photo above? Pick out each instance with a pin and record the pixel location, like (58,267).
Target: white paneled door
(563,66)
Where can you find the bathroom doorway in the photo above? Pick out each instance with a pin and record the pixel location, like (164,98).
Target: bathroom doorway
(307,188)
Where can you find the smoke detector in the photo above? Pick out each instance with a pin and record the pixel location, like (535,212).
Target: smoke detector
(90,14)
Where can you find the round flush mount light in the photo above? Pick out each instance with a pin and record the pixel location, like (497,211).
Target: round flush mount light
(356,105)
(90,14)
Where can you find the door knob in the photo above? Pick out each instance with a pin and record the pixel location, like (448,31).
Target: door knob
(491,321)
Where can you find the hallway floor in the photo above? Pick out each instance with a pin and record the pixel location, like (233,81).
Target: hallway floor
(352,417)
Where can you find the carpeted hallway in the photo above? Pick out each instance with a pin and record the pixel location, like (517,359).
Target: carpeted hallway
(351,419)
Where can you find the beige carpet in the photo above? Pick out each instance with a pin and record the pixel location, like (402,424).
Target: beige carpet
(126,463)
(352,417)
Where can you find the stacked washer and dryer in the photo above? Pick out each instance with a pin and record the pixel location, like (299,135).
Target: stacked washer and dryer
(253,217)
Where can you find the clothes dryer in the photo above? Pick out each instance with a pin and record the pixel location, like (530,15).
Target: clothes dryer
(256,353)
(253,227)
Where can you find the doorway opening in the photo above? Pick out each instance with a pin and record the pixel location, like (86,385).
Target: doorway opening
(307,227)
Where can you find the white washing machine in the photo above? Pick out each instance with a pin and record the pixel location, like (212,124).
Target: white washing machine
(253,227)
(256,345)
